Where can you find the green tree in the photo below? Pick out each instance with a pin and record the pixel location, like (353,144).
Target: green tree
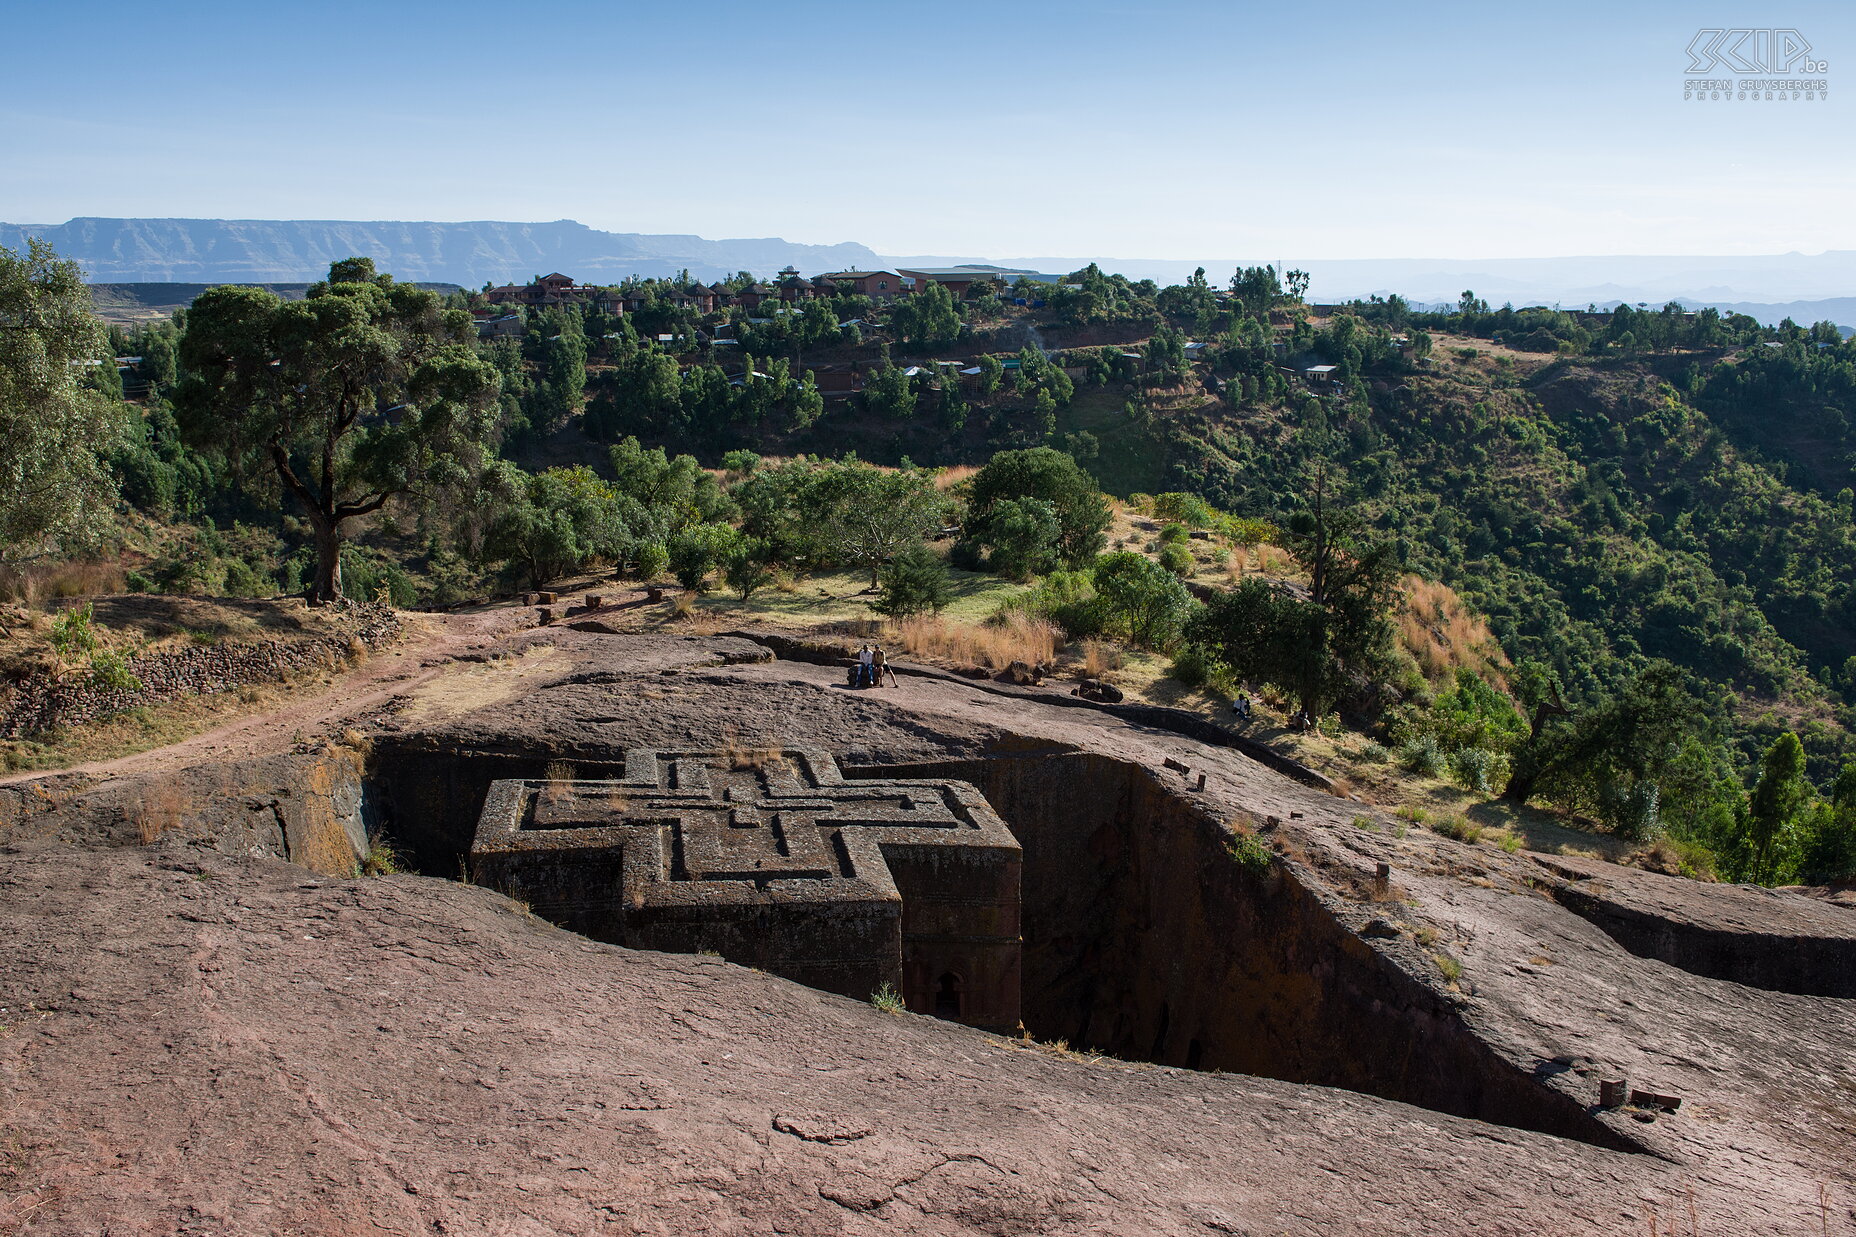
(746,568)
(562,389)
(1142,599)
(927,319)
(992,372)
(1024,536)
(865,516)
(53,431)
(676,486)
(1590,758)
(1830,853)
(913,582)
(889,393)
(1050,475)
(1259,629)
(700,549)
(365,390)
(1767,851)
(555,522)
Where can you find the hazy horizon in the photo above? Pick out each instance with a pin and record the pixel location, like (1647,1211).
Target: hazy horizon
(1168,131)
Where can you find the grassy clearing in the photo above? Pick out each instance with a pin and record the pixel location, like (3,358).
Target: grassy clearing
(837,597)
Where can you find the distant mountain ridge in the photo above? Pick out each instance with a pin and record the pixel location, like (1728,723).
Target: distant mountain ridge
(293,250)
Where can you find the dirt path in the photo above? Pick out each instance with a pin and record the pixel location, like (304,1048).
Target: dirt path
(432,642)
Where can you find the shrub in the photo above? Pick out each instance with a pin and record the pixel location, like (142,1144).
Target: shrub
(887,999)
(1460,828)
(110,670)
(1448,967)
(73,632)
(1635,811)
(1421,755)
(1191,666)
(653,560)
(1374,753)
(699,549)
(1251,855)
(1176,558)
(1174,534)
(1473,768)
(746,573)
(381,859)
(1187,509)
(1142,599)
(914,582)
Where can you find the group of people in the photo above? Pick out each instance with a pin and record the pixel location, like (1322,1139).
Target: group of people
(871,665)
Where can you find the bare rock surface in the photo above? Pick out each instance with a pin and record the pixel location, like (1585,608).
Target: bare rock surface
(201,1039)
(201,1044)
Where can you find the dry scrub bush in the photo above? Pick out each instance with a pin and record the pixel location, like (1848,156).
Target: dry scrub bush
(161,807)
(326,848)
(994,645)
(33,584)
(1442,634)
(555,779)
(1100,657)
(1274,561)
(948,478)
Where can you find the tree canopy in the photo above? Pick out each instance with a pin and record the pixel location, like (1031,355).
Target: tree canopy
(365,390)
(53,428)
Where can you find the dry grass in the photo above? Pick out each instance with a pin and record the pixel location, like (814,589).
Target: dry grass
(1272,560)
(327,848)
(162,807)
(994,646)
(948,478)
(1443,634)
(683,605)
(36,583)
(1100,657)
(740,755)
(556,781)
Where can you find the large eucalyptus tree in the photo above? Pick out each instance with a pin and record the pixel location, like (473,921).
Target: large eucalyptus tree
(366,390)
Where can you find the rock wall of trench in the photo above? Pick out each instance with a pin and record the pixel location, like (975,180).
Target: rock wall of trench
(309,808)
(1144,939)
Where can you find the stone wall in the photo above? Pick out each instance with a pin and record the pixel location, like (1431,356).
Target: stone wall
(44,702)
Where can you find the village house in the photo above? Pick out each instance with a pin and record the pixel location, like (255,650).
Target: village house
(958,279)
(877,285)
(793,286)
(555,289)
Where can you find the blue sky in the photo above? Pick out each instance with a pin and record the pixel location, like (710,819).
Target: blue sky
(1160,130)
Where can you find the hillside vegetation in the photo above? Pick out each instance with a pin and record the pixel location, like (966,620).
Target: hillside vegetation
(1600,563)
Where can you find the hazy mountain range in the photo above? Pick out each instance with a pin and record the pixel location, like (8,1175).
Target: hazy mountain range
(290,250)
(1807,287)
